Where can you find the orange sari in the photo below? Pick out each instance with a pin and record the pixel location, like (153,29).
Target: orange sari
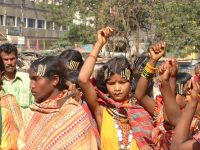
(59,124)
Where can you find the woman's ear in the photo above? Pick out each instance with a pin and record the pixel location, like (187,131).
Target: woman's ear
(55,80)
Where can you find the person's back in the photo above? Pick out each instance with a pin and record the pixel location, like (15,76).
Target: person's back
(14,82)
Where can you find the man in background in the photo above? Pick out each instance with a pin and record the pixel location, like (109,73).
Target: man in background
(15,82)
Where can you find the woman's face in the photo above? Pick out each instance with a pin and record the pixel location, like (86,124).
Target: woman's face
(118,88)
(41,87)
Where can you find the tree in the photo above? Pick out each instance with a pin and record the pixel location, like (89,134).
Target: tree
(136,21)
(178,23)
(130,18)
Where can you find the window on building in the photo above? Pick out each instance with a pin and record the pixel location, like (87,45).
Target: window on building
(25,22)
(50,25)
(31,23)
(56,26)
(18,21)
(10,21)
(64,28)
(40,24)
(1,20)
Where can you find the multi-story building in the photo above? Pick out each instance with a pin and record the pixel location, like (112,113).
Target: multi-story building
(24,23)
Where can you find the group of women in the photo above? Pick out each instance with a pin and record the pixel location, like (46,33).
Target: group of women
(121,108)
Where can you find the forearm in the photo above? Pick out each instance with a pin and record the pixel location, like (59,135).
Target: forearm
(171,107)
(142,84)
(88,67)
(172,82)
(148,104)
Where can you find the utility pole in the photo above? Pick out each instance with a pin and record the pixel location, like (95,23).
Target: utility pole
(22,23)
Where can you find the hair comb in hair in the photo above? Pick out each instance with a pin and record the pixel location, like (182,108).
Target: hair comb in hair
(41,69)
(179,89)
(107,74)
(73,65)
(126,74)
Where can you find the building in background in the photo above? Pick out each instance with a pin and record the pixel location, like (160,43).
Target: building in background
(23,23)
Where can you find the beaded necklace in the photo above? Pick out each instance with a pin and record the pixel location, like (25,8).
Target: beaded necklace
(123,128)
(124,134)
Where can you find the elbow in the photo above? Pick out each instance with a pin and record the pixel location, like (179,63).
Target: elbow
(138,96)
(174,121)
(82,80)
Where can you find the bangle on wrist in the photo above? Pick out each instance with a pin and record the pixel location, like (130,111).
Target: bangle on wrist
(92,56)
(151,67)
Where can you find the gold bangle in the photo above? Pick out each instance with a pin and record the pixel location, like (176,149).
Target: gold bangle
(92,56)
(150,67)
(149,70)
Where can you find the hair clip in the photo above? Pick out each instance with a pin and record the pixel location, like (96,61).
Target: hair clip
(107,74)
(126,74)
(41,70)
(73,65)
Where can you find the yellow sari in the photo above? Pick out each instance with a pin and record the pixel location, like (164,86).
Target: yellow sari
(108,135)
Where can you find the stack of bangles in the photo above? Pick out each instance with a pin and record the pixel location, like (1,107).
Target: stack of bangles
(148,71)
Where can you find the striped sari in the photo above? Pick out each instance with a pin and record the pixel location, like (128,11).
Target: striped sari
(59,124)
(10,122)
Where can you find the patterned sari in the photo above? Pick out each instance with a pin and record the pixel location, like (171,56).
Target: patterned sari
(59,123)
(197,137)
(163,131)
(139,119)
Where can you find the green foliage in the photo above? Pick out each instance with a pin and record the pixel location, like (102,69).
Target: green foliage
(177,22)
(81,34)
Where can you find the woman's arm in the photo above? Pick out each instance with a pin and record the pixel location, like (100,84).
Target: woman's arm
(167,81)
(172,110)
(156,51)
(181,140)
(173,72)
(87,70)
(148,103)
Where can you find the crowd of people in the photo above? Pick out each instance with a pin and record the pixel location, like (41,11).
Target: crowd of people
(58,104)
